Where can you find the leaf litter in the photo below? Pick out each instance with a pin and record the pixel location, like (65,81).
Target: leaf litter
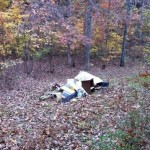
(28,123)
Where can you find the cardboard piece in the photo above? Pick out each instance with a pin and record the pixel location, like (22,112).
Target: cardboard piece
(83,76)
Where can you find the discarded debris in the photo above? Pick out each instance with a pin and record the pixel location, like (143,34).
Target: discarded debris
(83,84)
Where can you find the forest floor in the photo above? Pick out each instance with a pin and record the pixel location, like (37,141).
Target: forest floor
(94,122)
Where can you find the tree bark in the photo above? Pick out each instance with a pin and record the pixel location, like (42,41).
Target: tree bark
(107,28)
(141,22)
(69,56)
(67,15)
(88,32)
(122,60)
(28,59)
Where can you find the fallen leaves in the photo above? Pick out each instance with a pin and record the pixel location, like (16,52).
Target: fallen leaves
(28,123)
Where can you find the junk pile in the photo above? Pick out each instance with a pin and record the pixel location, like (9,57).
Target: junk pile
(83,84)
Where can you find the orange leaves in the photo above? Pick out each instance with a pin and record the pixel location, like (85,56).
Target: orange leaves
(105,4)
(144,75)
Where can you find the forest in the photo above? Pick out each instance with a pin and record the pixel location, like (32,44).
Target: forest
(43,43)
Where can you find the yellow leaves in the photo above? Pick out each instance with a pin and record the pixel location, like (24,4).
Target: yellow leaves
(97,33)
(10,25)
(115,42)
(115,35)
(13,14)
(94,49)
(4,4)
(15,10)
(79,25)
(10,18)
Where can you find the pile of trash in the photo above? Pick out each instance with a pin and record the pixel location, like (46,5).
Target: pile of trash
(82,85)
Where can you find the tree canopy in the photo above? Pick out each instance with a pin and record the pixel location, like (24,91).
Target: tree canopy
(58,23)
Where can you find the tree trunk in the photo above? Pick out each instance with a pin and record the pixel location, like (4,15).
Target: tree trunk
(122,60)
(141,22)
(69,56)
(51,66)
(28,60)
(88,33)
(67,15)
(107,28)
